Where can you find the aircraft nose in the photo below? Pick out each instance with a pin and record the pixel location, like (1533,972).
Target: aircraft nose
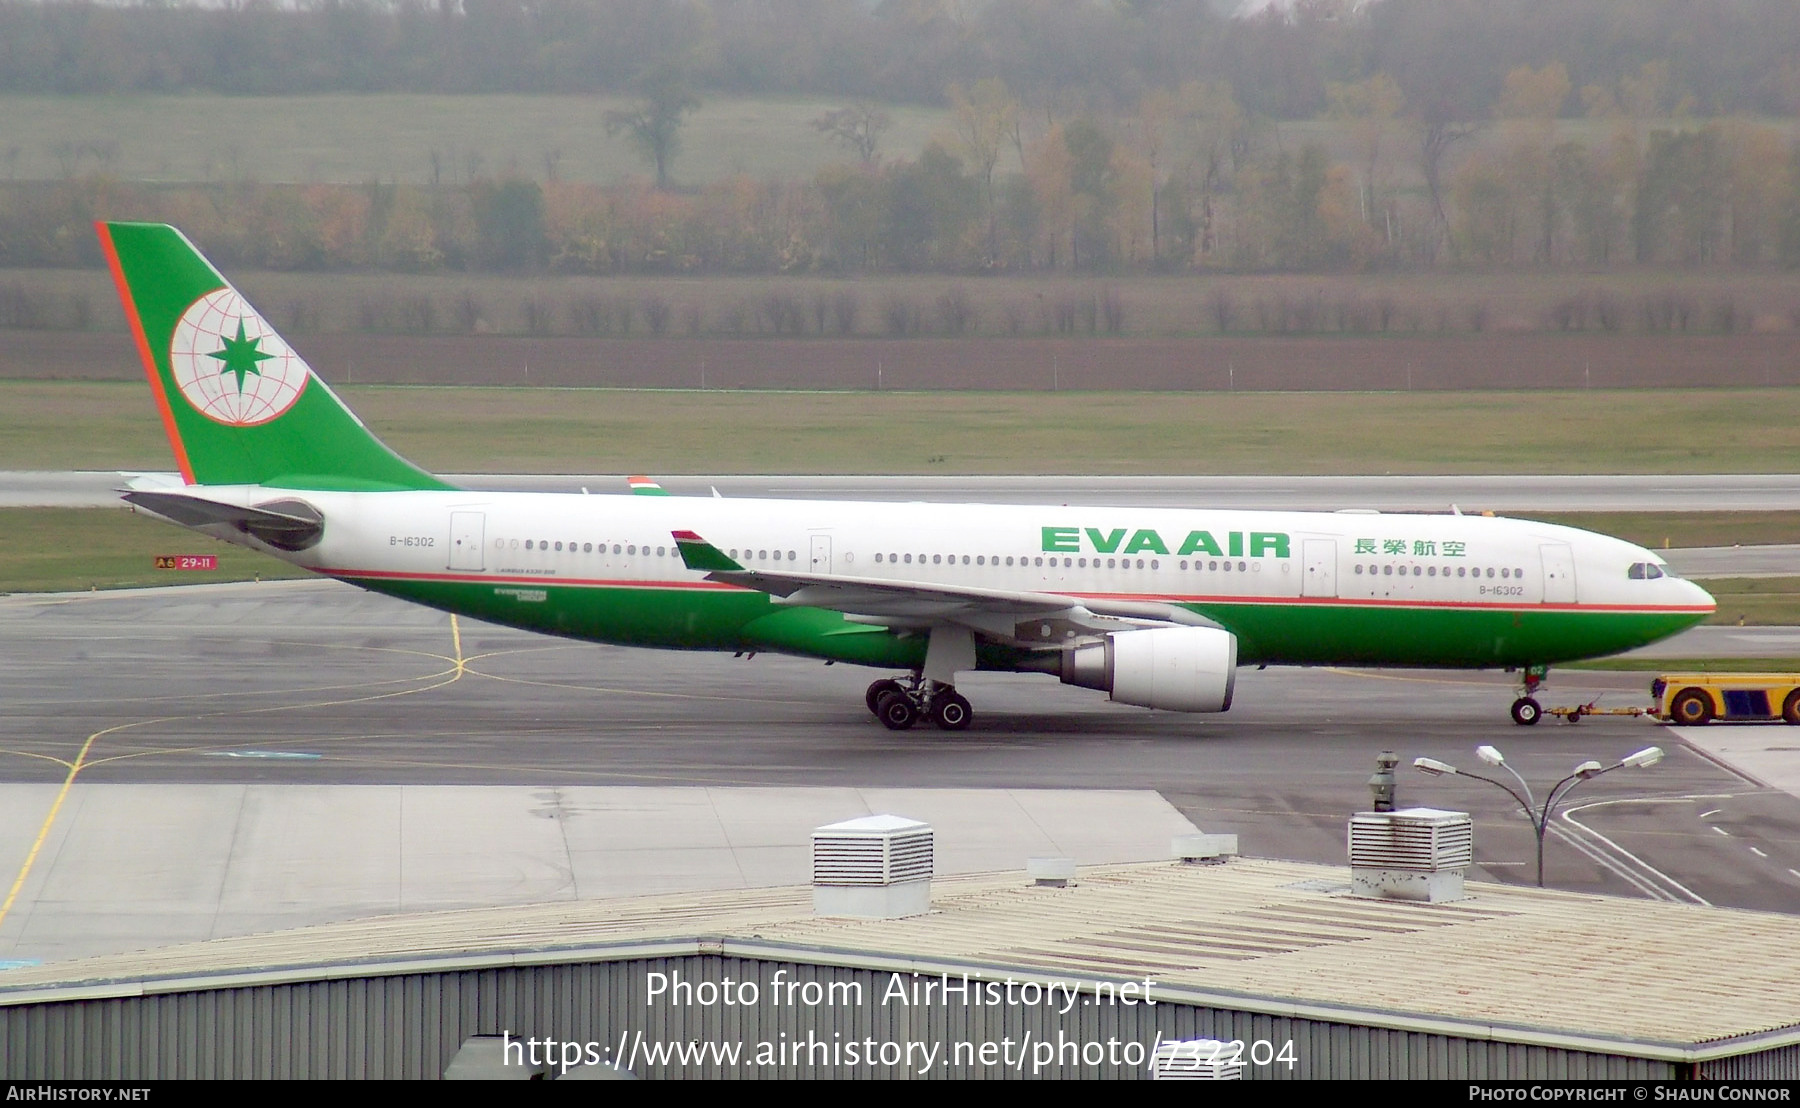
(1698,596)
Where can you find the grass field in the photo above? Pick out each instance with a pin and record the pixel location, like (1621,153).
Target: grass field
(67,549)
(1661,530)
(351,139)
(81,425)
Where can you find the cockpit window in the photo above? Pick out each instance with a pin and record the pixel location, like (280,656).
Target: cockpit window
(1636,573)
(1647,571)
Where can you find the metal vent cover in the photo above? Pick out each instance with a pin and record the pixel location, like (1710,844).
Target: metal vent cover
(1412,838)
(872,851)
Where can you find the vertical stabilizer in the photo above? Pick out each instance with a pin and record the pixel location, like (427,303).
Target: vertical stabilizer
(239,405)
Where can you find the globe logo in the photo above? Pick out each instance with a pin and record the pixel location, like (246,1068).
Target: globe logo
(232,367)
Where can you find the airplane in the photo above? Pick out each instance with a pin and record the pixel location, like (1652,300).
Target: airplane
(1155,607)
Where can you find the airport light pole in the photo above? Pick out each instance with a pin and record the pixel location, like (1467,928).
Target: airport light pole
(1539,815)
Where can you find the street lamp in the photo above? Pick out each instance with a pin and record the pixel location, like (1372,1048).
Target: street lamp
(1539,815)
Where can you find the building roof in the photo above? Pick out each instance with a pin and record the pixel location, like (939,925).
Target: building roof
(1517,964)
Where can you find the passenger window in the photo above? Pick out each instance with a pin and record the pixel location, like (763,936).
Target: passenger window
(587,548)
(1389,570)
(528,547)
(909,559)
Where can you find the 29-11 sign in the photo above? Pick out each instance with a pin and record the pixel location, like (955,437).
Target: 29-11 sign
(187,561)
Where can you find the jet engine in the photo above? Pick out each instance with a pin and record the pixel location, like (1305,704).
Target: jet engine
(1180,669)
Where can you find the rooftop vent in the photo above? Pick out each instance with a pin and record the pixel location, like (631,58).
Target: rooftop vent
(1204,849)
(1411,854)
(875,867)
(1052,872)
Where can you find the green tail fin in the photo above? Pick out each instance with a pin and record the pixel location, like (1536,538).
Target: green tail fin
(240,407)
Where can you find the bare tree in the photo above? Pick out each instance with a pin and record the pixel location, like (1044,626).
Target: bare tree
(859,126)
(654,124)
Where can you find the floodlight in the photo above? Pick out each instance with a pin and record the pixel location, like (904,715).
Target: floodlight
(1491,755)
(1433,766)
(1648,756)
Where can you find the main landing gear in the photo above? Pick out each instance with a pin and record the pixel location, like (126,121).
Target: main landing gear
(899,705)
(1526,711)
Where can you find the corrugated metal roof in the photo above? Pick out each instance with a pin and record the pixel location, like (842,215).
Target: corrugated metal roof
(1277,931)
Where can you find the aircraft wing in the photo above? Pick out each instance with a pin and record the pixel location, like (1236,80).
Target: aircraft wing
(1021,618)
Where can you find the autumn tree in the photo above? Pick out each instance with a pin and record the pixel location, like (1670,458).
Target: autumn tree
(1371,108)
(986,117)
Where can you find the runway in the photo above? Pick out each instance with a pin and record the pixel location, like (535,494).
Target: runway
(316,684)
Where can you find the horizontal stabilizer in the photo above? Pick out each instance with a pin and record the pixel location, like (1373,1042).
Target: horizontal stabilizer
(283,524)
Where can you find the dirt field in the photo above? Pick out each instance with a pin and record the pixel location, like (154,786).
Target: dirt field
(1312,363)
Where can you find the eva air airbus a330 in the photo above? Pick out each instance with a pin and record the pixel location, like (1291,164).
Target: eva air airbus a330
(1157,608)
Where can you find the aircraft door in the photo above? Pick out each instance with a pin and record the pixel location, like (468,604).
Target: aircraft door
(1559,572)
(821,554)
(467,531)
(1320,557)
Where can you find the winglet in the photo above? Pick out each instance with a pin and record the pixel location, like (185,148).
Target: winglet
(698,554)
(643,486)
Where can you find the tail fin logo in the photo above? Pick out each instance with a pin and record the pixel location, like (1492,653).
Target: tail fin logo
(231,365)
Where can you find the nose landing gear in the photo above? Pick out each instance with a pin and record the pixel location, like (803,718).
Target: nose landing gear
(1526,711)
(899,705)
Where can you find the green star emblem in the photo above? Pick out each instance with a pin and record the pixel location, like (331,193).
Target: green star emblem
(240,355)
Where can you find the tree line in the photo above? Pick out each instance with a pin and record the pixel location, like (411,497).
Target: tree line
(1450,57)
(1187,180)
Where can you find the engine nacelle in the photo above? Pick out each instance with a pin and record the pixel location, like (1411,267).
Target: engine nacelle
(1180,669)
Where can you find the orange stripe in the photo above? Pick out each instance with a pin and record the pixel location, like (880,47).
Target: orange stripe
(143,345)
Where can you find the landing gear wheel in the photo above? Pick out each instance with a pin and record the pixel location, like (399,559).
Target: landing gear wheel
(950,711)
(1526,711)
(873,696)
(895,710)
(1790,709)
(1692,708)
